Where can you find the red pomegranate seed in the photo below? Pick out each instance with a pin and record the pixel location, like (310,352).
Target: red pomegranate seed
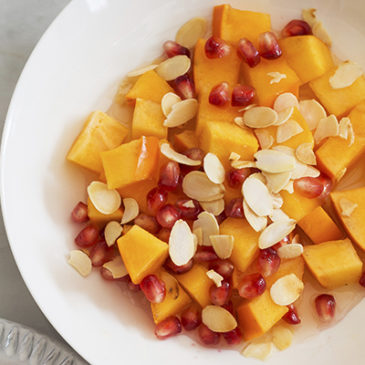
(291,316)
(194,153)
(233,337)
(170,326)
(268,46)
(205,256)
(153,288)
(184,86)
(309,187)
(248,52)
(207,336)
(251,286)
(186,212)
(164,234)
(101,253)
(178,269)
(108,276)
(131,286)
(79,213)
(268,261)
(222,267)
(229,307)
(296,27)
(169,176)
(236,178)
(167,216)
(234,208)
(327,185)
(156,199)
(147,222)
(87,236)
(219,94)
(242,95)
(220,295)
(174,49)
(325,306)
(216,48)
(191,318)
(362,280)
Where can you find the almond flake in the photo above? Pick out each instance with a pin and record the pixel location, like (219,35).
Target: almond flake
(346,131)
(171,154)
(188,204)
(112,231)
(246,108)
(239,121)
(131,210)
(259,176)
(190,32)
(288,130)
(276,182)
(327,127)
(284,149)
(260,117)
(302,170)
(282,337)
(284,115)
(234,156)
(266,140)
(275,232)
(215,207)
(312,111)
(345,75)
(214,168)
(242,164)
(276,77)
(116,267)
(215,277)
(304,153)
(309,15)
(274,161)
(168,101)
(256,222)
(181,243)
(223,245)
(286,290)
(278,215)
(290,187)
(285,101)
(181,112)
(104,200)
(209,226)
(141,70)
(81,262)
(277,201)
(290,251)
(173,67)
(198,232)
(218,319)
(320,32)
(347,207)
(258,350)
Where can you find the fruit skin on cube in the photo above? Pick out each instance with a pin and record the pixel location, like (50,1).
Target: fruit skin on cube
(148,120)
(307,55)
(258,77)
(333,263)
(149,86)
(99,133)
(245,247)
(354,224)
(99,219)
(185,141)
(319,226)
(142,253)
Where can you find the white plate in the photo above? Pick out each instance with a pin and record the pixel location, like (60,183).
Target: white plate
(74,69)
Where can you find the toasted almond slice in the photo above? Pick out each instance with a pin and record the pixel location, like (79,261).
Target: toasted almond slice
(302,170)
(285,101)
(116,267)
(198,232)
(259,176)
(209,226)
(174,67)
(131,210)
(260,117)
(286,290)
(290,187)
(171,154)
(141,70)
(246,108)
(189,204)
(309,15)
(276,182)
(243,164)
(327,127)
(290,251)
(266,140)
(258,350)
(304,153)
(218,319)
(214,168)
(239,121)
(284,115)
(181,243)
(191,31)
(320,32)
(168,101)
(346,131)
(278,201)
(181,112)
(234,156)
(215,277)
(80,262)
(196,185)
(347,207)
(345,75)
(256,222)
(312,111)
(275,232)
(104,200)
(276,77)
(284,149)
(278,215)
(257,196)
(223,245)
(282,337)
(215,207)
(288,130)
(112,231)
(274,161)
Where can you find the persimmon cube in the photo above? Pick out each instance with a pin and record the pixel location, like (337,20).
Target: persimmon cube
(333,263)
(142,253)
(100,219)
(185,140)
(99,133)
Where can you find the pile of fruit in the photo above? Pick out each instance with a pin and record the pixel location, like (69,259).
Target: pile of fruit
(218,193)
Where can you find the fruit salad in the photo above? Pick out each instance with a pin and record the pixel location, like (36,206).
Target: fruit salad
(215,176)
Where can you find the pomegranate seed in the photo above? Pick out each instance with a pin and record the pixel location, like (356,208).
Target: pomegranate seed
(252,286)
(194,153)
(184,86)
(220,295)
(131,286)
(205,256)
(237,177)
(87,236)
(169,176)
(268,261)
(229,307)
(170,326)
(147,222)
(207,336)
(268,46)
(309,187)
(79,213)
(168,215)
(362,280)
(234,208)
(174,49)
(221,217)
(191,318)
(233,337)
(186,212)
(101,253)
(178,269)
(222,267)
(184,170)
(296,27)
(108,276)
(216,48)
(242,95)
(291,316)
(248,52)
(153,288)
(327,185)
(156,199)
(219,94)
(325,306)
(164,234)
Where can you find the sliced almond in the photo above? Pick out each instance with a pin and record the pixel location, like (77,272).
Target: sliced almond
(191,31)
(104,200)
(347,207)
(256,222)
(266,140)
(278,215)
(223,245)
(215,277)
(234,156)
(276,77)
(286,290)
(209,226)
(173,67)
(172,287)
(309,15)
(141,70)
(260,117)
(116,267)
(218,319)
(181,112)
(214,168)
(290,251)
(275,232)
(243,164)
(312,111)
(80,262)
(239,121)
(171,154)
(274,161)
(188,204)
(131,210)
(276,182)
(345,75)
(247,107)
(168,101)
(346,131)
(181,243)
(288,130)
(327,127)
(320,32)
(284,149)
(215,207)
(304,153)
(284,115)
(259,176)
(285,101)
(302,170)
(290,187)
(282,337)
(113,230)
(258,350)
(198,232)
(278,201)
